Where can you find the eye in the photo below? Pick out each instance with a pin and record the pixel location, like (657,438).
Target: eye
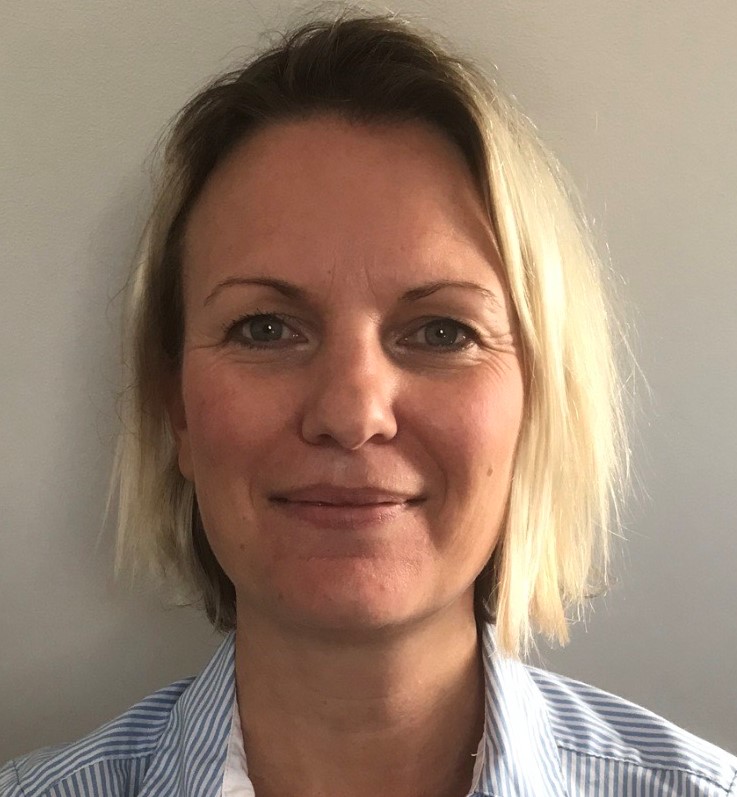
(260,329)
(443,333)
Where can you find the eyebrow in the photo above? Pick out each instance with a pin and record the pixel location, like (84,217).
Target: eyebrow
(293,292)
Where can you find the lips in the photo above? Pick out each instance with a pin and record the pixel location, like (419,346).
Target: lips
(327,507)
(333,495)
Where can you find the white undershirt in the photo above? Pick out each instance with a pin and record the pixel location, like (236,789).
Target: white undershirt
(236,782)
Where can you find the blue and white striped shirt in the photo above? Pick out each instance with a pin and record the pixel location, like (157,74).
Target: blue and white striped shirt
(545,736)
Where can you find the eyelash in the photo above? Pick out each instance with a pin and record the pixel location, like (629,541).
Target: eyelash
(230,327)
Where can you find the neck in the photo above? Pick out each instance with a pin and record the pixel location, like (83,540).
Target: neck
(391,713)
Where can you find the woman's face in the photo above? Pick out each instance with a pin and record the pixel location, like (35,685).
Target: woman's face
(351,444)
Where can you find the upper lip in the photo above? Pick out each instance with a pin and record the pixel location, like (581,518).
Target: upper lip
(333,494)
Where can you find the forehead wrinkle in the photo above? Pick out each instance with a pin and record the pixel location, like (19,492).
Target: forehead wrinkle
(434,233)
(365,276)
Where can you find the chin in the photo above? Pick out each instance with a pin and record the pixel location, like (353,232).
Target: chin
(347,603)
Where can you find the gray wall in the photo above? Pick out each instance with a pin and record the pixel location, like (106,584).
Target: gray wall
(640,101)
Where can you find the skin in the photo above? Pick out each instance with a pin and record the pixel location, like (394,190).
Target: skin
(357,661)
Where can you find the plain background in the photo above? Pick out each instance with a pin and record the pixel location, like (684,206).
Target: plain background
(638,99)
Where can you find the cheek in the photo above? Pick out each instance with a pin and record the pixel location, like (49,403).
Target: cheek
(471,433)
(473,425)
(230,417)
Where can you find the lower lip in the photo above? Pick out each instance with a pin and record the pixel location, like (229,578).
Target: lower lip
(353,516)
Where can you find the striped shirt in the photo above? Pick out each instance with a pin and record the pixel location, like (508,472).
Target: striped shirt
(544,736)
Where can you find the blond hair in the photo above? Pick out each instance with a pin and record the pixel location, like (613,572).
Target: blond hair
(571,455)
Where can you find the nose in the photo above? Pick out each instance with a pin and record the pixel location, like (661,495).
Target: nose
(352,394)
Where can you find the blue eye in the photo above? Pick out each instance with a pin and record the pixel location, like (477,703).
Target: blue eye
(442,334)
(260,329)
(266,328)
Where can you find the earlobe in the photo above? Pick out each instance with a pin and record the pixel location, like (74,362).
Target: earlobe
(177,417)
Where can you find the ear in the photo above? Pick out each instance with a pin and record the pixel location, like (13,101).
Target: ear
(176,412)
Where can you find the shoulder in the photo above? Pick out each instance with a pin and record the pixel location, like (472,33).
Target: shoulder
(111,760)
(595,730)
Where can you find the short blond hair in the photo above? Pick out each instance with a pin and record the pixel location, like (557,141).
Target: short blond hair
(571,455)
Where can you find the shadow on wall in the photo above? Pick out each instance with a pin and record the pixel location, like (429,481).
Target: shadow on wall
(89,647)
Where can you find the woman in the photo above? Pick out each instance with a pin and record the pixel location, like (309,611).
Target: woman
(373,426)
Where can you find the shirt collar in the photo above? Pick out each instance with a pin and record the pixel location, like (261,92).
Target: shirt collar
(518,756)
(190,755)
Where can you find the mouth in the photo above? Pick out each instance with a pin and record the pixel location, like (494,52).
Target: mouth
(331,495)
(338,513)
(281,500)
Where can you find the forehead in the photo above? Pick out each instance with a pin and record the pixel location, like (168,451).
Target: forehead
(378,198)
